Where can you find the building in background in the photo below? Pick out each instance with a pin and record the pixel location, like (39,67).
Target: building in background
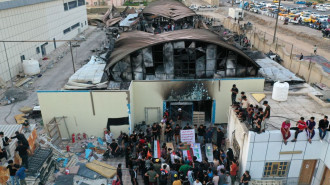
(38,20)
(104,2)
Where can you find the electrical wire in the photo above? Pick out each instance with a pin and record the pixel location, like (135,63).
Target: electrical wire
(11,109)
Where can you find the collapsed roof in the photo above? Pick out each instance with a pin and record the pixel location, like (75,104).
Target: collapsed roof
(168,8)
(130,42)
(112,16)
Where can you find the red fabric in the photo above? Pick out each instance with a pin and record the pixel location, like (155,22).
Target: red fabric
(233,169)
(285,125)
(149,154)
(158,149)
(302,125)
(283,134)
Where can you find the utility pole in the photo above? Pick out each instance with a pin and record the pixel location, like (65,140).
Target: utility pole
(74,69)
(11,77)
(278,10)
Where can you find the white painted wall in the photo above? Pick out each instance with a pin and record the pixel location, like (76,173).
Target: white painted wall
(257,149)
(43,21)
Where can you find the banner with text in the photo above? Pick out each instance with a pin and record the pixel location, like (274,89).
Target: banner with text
(187,136)
(197,151)
(209,152)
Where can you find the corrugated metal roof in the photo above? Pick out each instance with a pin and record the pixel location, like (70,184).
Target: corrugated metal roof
(129,20)
(130,42)
(9,131)
(168,8)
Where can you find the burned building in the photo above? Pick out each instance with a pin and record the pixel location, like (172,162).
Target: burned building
(181,54)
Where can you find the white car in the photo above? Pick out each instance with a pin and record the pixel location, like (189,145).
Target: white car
(322,18)
(321,9)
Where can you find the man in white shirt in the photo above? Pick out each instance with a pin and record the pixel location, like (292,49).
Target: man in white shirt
(197,182)
(108,137)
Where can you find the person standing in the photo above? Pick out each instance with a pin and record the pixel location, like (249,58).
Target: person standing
(220,136)
(133,173)
(162,126)
(228,179)
(176,180)
(197,182)
(21,174)
(246,178)
(108,137)
(154,129)
(310,129)
(21,137)
(119,174)
(23,153)
(163,176)
(285,130)
(201,133)
(12,172)
(177,133)
(234,92)
(315,49)
(169,133)
(5,144)
(180,116)
(233,172)
(301,126)
(152,176)
(323,126)
(222,177)
(266,116)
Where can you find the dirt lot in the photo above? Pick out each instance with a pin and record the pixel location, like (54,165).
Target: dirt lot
(303,38)
(57,74)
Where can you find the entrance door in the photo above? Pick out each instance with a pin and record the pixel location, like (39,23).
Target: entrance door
(307,171)
(152,115)
(326,177)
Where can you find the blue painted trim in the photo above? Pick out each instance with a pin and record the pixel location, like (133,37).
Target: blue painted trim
(62,91)
(164,106)
(213,111)
(217,79)
(129,119)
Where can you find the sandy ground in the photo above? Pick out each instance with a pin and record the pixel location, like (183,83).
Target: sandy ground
(303,38)
(55,77)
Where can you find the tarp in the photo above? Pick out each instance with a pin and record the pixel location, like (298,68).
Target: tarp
(258,96)
(117,122)
(85,172)
(156,149)
(131,18)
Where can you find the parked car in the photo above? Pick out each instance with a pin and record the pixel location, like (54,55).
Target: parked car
(322,9)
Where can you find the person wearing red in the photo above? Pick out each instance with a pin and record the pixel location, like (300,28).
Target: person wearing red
(285,129)
(301,124)
(233,172)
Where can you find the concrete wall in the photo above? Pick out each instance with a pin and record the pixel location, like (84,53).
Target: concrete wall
(311,73)
(43,21)
(153,93)
(76,106)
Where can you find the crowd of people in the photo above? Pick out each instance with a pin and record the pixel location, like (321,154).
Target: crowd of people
(16,171)
(257,118)
(173,167)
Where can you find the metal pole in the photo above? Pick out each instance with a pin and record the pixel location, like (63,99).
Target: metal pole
(279,4)
(74,69)
(11,78)
(291,51)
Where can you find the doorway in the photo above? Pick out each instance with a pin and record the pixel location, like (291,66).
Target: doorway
(152,115)
(307,171)
(326,177)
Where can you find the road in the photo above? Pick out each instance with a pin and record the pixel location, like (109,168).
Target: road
(57,76)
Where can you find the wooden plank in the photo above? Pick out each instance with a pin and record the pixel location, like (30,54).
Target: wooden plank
(19,118)
(291,152)
(22,81)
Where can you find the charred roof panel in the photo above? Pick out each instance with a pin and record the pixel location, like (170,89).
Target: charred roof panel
(168,8)
(130,42)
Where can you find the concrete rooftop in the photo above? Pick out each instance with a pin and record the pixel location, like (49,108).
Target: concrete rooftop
(297,105)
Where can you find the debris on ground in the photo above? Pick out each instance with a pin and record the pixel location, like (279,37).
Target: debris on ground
(14,94)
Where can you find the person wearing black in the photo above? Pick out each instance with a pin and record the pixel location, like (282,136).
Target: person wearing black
(133,173)
(163,175)
(5,144)
(323,126)
(187,127)
(201,133)
(114,148)
(220,136)
(154,130)
(246,178)
(12,172)
(23,153)
(180,116)
(3,154)
(21,137)
(169,133)
(234,92)
(177,133)
(127,155)
(119,174)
